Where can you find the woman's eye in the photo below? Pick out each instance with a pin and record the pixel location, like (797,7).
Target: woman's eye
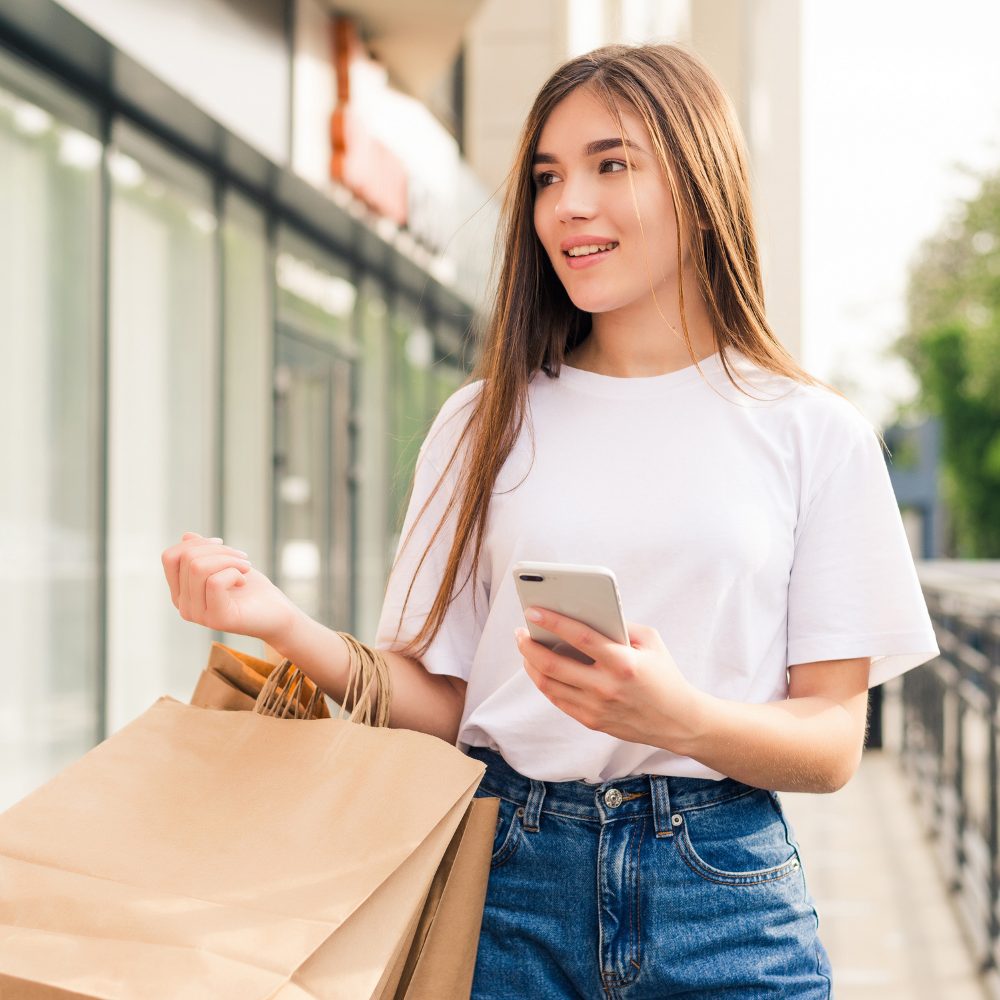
(547,178)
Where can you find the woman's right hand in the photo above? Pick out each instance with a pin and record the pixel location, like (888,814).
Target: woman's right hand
(214,585)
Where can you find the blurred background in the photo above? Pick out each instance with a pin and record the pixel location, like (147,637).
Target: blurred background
(244,245)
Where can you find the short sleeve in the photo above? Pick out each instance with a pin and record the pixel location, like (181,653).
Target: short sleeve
(853,589)
(454,647)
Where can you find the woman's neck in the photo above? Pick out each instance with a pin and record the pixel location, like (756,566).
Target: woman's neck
(626,345)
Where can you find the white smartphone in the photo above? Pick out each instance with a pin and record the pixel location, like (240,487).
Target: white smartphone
(587,594)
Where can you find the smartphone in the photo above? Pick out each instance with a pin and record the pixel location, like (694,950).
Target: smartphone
(588,594)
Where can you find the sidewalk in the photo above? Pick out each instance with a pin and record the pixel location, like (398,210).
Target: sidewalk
(884,914)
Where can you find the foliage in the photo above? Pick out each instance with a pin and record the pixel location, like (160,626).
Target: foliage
(952,342)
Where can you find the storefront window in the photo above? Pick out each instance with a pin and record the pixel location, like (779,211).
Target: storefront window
(427,369)
(50,449)
(411,402)
(314,427)
(163,402)
(316,294)
(247,389)
(374,558)
(447,372)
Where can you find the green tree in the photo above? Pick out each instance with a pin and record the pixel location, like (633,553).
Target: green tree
(952,343)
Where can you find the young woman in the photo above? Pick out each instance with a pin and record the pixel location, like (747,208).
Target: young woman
(632,408)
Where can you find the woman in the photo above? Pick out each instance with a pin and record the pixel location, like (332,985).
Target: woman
(632,408)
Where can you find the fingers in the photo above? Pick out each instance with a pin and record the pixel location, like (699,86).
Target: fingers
(216,587)
(193,600)
(190,550)
(562,671)
(177,564)
(576,633)
(644,636)
(551,681)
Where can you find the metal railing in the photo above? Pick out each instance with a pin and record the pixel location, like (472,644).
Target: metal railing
(948,749)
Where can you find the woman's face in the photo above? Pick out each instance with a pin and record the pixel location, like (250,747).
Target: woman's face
(583,200)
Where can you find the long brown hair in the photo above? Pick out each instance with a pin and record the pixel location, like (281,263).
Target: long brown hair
(533,324)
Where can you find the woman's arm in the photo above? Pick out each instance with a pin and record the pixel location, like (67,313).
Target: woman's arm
(214,585)
(812,742)
(429,703)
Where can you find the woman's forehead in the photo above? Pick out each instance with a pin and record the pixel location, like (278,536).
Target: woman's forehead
(583,118)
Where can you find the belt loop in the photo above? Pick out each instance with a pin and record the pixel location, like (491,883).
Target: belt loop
(660,792)
(533,807)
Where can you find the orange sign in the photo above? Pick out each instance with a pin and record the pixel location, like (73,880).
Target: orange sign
(358,160)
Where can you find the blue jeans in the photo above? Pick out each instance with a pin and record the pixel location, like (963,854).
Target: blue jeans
(647,887)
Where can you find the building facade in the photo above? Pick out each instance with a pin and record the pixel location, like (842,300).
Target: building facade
(212,321)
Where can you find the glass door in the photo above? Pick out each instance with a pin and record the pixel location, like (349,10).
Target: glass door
(312,467)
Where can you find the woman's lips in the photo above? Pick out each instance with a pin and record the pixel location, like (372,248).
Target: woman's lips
(590,260)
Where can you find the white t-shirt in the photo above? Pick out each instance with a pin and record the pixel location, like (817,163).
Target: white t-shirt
(752,534)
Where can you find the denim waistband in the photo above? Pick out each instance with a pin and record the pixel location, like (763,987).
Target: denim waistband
(659,796)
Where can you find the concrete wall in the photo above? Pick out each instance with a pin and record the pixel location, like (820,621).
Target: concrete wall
(511,48)
(754,47)
(214,52)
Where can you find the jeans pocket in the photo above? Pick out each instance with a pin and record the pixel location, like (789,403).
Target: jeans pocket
(508,832)
(741,841)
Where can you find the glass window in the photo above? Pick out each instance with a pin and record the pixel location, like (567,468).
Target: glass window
(374,557)
(411,402)
(427,369)
(247,389)
(447,373)
(313,493)
(316,353)
(50,450)
(315,291)
(163,389)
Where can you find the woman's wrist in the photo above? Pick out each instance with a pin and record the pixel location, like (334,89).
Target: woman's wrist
(290,634)
(321,653)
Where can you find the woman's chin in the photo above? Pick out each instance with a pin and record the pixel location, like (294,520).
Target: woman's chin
(597,303)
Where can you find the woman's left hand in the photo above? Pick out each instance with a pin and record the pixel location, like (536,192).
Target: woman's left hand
(635,693)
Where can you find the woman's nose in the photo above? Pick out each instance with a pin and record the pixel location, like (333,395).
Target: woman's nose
(575,201)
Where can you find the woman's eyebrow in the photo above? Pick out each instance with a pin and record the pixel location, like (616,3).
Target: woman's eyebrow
(591,149)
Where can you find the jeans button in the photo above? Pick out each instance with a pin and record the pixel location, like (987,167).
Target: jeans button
(612,798)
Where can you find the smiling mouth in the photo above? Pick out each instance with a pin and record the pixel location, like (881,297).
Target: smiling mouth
(590,249)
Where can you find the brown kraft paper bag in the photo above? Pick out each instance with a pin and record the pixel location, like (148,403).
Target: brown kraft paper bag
(231,855)
(436,959)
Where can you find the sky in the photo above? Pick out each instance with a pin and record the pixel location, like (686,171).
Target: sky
(897,98)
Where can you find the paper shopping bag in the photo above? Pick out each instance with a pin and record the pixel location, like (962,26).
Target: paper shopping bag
(227,854)
(436,956)
(441,962)
(232,680)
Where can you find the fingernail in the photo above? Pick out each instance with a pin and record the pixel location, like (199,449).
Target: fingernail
(219,540)
(533,615)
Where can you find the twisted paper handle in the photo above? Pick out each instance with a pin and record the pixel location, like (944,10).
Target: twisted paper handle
(283,697)
(369,689)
